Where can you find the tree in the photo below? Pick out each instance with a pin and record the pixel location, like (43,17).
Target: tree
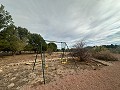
(35,41)
(23,34)
(99,48)
(51,47)
(9,40)
(80,52)
(5,18)
(14,38)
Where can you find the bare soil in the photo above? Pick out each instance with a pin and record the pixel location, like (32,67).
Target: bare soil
(107,78)
(16,73)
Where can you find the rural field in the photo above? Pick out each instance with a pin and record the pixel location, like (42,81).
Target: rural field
(59,45)
(16,73)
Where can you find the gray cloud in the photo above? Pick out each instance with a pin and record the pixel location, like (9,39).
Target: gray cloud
(96,21)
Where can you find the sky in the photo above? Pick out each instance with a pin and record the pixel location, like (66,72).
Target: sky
(97,22)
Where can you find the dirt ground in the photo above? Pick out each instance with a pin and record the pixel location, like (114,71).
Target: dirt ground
(107,78)
(16,74)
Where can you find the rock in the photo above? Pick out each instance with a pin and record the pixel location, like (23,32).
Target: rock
(17,74)
(1,70)
(25,79)
(18,88)
(46,66)
(32,75)
(13,78)
(15,69)
(63,62)
(98,64)
(53,68)
(17,63)
(94,68)
(11,64)
(8,75)
(11,85)
(37,80)
(59,71)
(7,66)
(28,63)
(40,79)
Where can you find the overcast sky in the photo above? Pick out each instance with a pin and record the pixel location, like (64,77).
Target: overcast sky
(95,21)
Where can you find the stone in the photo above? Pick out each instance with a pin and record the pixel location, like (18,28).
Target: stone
(94,68)
(98,64)
(36,80)
(11,85)
(53,68)
(25,79)
(28,63)
(8,75)
(46,66)
(18,88)
(1,70)
(15,69)
(63,62)
(11,64)
(13,78)
(59,71)
(32,75)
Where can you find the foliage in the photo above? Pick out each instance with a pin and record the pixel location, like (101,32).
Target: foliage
(99,48)
(115,50)
(104,53)
(51,47)
(23,34)
(110,46)
(5,18)
(35,41)
(14,38)
(9,40)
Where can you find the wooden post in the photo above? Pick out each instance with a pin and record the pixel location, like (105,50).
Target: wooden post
(43,63)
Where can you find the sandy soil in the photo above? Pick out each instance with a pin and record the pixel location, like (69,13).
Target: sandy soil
(107,78)
(15,72)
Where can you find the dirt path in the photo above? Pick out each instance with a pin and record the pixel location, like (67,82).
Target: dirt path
(107,78)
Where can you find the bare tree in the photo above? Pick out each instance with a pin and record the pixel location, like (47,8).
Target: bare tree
(79,51)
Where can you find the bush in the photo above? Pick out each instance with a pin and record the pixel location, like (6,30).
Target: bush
(104,55)
(79,51)
(115,50)
(99,48)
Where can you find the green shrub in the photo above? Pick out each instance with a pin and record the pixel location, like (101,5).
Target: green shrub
(99,48)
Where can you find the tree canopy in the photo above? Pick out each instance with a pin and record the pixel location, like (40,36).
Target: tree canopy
(35,41)
(13,38)
(10,40)
(52,46)
(5,18)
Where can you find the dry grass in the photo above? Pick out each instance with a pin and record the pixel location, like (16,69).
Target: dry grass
(105,55)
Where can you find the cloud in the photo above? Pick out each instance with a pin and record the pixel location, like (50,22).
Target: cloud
(96,21)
